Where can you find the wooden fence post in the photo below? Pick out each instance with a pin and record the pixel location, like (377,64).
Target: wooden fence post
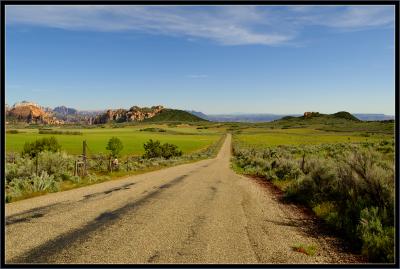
(84,157)
(37,163)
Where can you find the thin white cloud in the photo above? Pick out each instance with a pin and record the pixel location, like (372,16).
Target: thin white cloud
(226,25)
(351,17)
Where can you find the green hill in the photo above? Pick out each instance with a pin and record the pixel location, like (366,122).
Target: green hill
(174,115)
(345,115)
(338,122)
(315,117)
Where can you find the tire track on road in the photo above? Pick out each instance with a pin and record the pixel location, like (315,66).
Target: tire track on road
(44,253)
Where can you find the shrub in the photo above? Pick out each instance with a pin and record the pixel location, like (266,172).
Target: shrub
(59,164)
(22,186)
(365,184)
(377,240)
(98,162)
(32,149)
(21,167)
(287,169)
(301,191)
(154,149)
(44,182)
(170,150)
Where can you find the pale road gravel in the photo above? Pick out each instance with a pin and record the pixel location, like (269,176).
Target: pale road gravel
(193,213)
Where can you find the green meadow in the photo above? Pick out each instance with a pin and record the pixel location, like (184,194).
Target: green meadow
(188,138)
(306,137)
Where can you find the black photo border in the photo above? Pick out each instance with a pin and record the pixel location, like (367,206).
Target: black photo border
(197,2)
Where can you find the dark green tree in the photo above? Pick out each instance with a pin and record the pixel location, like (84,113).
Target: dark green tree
(115,146)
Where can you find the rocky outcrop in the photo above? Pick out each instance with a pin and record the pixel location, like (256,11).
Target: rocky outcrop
(311,114)
(32,113)
(135,113)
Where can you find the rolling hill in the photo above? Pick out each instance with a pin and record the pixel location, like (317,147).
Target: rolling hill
(174,115)
(317,117)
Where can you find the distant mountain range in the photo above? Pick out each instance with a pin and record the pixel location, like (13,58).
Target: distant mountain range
(63,110)
(271,117)
(32,112)
(370,117)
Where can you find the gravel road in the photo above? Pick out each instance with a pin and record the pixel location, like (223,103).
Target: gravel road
(193,213)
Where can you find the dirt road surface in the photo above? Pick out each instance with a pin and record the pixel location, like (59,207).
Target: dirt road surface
(193,213)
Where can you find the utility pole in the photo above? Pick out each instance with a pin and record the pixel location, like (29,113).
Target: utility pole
(84,157)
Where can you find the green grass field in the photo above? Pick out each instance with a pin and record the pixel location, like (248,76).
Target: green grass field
(193,137)
(305,137)
(188,138)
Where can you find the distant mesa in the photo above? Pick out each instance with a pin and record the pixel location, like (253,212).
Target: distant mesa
(32,113)
(338,115)
(311,114)
(322,117)
(135,113)
(152,114)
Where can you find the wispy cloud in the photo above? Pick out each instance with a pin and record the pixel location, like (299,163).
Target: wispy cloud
(226,25)
(349,17)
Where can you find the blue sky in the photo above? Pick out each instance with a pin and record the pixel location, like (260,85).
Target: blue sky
(214,59)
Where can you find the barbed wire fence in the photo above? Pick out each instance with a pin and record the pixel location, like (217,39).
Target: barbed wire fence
(91,160)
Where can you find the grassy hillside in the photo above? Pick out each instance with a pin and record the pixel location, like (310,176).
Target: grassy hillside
(174,115)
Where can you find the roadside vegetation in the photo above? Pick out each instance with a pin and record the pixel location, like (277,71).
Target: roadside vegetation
(43,165)
(349,185)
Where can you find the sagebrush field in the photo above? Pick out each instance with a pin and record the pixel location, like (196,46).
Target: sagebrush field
(346,178)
